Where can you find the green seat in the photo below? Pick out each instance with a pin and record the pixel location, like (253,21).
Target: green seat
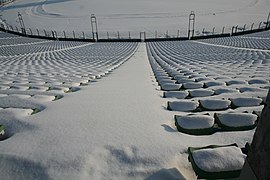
(2,132)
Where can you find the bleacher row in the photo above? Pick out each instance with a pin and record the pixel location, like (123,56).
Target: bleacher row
(34,72)
(214,89)
(253,41)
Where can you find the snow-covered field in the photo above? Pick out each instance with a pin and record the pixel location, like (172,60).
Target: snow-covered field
(77,110)
(136,16)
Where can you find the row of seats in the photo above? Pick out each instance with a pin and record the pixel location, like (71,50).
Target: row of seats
(252,41)
(34,72)
(212,89)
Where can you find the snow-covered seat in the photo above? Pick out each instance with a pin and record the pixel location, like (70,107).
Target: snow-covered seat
(214,83)
(192,85)
(217,162)
(200,93)
(170,86)
(175,94)
(236,121)
(183,105)
(225,90)
(246,102)
(215,104)
(232,82)
(195,124)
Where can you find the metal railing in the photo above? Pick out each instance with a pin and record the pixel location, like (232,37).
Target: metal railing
(134,36)
(96,35)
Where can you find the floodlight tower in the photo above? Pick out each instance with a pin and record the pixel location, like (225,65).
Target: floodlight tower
(191,24)
(94,27)
(21,23)
(267,21)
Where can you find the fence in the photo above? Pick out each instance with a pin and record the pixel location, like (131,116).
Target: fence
(134,36)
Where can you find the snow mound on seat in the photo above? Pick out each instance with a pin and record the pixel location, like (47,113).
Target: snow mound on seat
(183,105)
(195,121)
(170,87)
(176,94)
(192,85)
(201,93)
(16,112)
(22,88)
(164,81)
(237,119)
(225,90)
(252,89)
(219,159)
(43,98)
(257,81)
(214,83)
(215,104)
(236,82)
(17,102)
(246,102)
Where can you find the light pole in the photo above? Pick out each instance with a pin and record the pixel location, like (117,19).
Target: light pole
(21,23)
(94,27)
(267,21)
(191,24)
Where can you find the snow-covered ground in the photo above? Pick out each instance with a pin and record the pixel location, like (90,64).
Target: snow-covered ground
(136,16)
(69,112)
(76,110)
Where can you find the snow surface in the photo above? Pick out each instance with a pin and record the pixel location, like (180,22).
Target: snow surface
(219,159)
(106,129)
(136,16)
(117,127)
